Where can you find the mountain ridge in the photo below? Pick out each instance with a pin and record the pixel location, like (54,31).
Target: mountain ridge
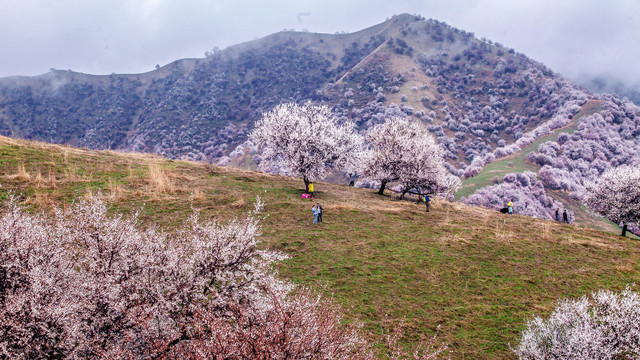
(480,99)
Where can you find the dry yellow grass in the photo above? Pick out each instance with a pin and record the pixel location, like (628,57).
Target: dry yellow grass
(71,173)
(239,203)
(116,191)
(52,179)
(88,195)
(158,179)
(198,194)
(22,173)
(41,199)
(39,180)
(545,230)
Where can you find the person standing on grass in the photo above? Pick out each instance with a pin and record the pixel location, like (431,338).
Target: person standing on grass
(352,179)
(319,209)
(565,217)
(558,215)
(311,190)
(427,202)
(510,206)
(314,210)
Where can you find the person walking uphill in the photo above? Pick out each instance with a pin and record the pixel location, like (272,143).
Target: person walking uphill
(427,202)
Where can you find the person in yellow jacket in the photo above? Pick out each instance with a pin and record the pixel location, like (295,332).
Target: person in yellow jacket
(311,190)
(510,205)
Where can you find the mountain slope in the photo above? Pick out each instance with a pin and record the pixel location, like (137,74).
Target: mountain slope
(478,274)
(202,108)
(481,100)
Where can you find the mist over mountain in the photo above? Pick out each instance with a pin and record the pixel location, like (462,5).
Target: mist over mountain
(611,85)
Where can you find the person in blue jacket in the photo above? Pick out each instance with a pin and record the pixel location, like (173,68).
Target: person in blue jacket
(315,212)
(427,202)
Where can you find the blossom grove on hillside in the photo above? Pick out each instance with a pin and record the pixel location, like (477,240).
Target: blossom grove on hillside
(526,193)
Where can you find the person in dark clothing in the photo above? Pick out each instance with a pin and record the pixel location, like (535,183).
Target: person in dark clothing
(565,217)
(558,215)
(352,179)
(319,208)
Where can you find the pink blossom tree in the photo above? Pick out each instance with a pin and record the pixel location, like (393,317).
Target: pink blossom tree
(402,150)
(616,195)
(604,326)
(85,284)
(305,140)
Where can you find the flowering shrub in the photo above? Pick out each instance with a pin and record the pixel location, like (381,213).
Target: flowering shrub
(604,326)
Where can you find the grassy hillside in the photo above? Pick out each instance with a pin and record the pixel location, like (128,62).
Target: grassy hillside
(478,274)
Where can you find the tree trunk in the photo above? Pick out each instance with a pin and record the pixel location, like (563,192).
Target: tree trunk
(624,230)
(402,195)
(382,186)
(306,183)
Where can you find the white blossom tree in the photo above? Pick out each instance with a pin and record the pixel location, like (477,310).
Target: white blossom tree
(86,284)
(605,326)
(616,195)
(305,140)
(402,150)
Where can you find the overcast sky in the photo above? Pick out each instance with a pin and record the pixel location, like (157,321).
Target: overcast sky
(572,37)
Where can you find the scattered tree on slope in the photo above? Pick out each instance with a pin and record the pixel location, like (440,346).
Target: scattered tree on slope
(404,151)
(616,195)
(305,140)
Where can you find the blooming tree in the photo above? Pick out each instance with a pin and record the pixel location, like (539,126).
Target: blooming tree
(616,195)
(305,140)
(404,151)
(605,326)
(84,284)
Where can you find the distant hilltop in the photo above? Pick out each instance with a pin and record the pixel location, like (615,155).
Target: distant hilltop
(495,112)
